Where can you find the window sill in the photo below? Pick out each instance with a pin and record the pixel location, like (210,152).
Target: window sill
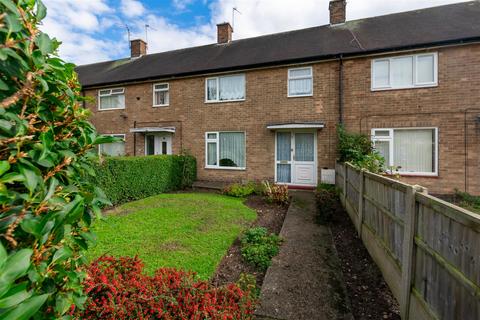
(405,88)
(98,109)
(161,106)
(224,101)
(226,168)
(301,96)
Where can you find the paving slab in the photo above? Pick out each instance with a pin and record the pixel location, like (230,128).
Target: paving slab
(304,281)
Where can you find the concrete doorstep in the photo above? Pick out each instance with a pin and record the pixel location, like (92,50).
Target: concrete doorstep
(304,280)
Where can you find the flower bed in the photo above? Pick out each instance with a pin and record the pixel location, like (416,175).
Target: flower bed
(117,288)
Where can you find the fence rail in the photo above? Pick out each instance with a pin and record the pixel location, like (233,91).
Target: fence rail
(427,249)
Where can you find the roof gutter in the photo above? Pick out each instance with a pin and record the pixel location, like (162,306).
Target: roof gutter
(313,59)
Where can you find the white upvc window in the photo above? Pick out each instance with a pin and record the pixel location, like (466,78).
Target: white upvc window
(111,99)
(161,95)
(300,82)
(225,150)
(410,151)
(404,72)
(225,88)
(113,149)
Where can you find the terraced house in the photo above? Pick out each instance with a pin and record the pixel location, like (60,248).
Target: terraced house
(268,107)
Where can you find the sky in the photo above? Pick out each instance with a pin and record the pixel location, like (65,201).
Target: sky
(96,30)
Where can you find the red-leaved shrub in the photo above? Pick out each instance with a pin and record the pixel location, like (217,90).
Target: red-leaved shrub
(117,289)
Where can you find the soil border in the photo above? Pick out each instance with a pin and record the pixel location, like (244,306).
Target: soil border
(232,265)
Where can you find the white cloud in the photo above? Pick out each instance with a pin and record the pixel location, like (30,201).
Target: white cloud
(84,26)
(77,14)
(269,16)
(132,8)
(75,22)
(181,4)
(164,36)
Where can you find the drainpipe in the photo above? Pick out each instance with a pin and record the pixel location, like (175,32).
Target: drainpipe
(134,139)
(340,90)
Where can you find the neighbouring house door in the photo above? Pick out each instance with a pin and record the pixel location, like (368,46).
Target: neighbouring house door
(296,158)
(160,143)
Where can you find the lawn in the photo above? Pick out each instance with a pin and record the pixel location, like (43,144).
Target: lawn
(187,231)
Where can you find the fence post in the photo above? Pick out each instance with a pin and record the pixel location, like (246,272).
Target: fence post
(345,174)
(360,202)
(408,258)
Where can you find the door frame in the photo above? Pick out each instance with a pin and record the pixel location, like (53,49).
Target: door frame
(159,134)
(292,161)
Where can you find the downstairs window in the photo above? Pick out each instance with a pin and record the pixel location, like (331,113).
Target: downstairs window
(225,150)
(411,151)
(113,149)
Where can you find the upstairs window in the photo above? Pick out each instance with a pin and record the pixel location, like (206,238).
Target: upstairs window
(225,88)
(161,96)
(411,151)
(113,149)
(110,99)
(413,71)
(225,150)
(300,82)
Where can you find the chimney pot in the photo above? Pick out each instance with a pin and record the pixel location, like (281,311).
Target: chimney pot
(138,48)
(338,11)
(224,33)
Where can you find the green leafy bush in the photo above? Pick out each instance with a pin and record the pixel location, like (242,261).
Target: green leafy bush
(372,162)
(239,190)
(276,193)
(352,147)
(259,247)
(327,202)
(46,150)
(358,150)
(248,283)
(125,179)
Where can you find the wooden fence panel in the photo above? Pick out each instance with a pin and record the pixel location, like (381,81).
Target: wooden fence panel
(339,176)
(448,260)
(384,214)
(441,245)
(353,187)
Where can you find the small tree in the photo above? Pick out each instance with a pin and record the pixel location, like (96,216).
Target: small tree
(358,149)
(46,201)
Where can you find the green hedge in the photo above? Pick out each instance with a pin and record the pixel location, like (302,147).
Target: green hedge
(125,179)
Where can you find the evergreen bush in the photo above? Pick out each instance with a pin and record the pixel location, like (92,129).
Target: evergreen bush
(47,145)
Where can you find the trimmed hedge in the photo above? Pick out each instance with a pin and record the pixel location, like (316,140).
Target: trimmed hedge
(125,179)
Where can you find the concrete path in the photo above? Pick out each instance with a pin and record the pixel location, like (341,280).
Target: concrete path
(304,281)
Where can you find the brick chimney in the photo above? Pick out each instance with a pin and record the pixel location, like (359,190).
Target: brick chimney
(338,11)
(138,48)
(224,33)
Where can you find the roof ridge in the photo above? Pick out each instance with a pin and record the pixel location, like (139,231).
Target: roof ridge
(352,21)
(287,32)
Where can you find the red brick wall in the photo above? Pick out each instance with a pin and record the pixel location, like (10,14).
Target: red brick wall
(266,102)
(447,106)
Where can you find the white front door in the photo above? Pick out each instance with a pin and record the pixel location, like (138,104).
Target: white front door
(159,143)
(296,158)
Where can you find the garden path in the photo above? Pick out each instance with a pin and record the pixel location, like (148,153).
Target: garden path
(304,281)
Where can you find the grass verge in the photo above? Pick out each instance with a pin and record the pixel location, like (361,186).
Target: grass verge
(186,231)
